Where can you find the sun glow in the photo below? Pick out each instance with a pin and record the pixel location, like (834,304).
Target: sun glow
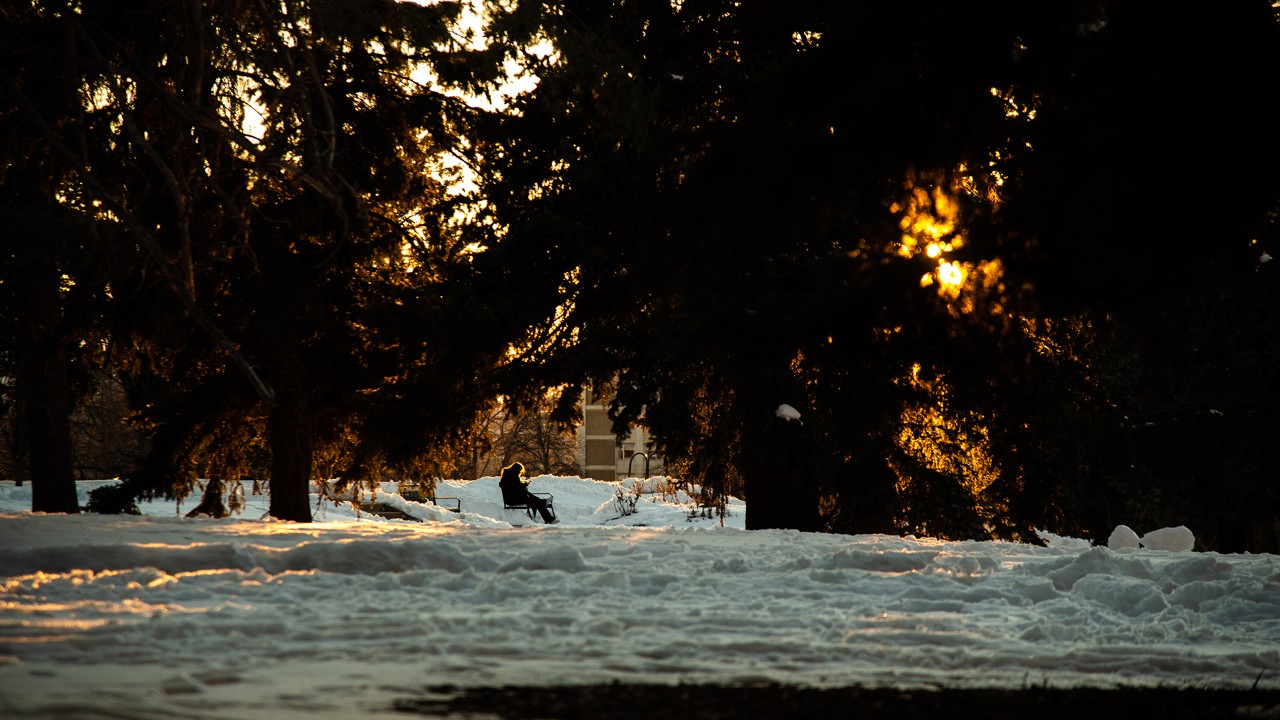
(930,220)
(951,274)
(930,227)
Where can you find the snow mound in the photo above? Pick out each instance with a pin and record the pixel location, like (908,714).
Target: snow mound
(1123,538)
(1174,539)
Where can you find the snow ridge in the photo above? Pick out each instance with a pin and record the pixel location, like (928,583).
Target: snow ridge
(163,615)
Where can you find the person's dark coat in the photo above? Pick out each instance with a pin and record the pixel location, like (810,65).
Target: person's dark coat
(515,491)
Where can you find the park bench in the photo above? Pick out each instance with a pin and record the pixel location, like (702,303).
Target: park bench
(532,513)
(416,493)
(382,509)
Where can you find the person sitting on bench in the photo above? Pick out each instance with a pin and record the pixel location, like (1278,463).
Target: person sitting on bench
(515,492)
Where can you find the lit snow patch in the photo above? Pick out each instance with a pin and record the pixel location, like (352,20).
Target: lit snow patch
(162,616)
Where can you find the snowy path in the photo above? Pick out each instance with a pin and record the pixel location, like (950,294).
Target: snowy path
(163,617)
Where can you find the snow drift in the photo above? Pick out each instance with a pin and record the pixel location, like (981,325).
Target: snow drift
(162,615)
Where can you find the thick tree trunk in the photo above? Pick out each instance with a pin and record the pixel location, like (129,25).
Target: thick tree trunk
(44,399)
(291,448)
(778,479)
(18,447)
(871,505)
(46,413)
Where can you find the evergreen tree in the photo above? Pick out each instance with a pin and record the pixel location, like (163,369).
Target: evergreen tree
(737,207)
(263,176)
(51,281)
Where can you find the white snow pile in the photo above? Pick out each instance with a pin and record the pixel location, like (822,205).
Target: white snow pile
(162,616)
(786,412)
(1175,539)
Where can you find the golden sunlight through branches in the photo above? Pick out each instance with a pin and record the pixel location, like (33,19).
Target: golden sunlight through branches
(929,218)
(931,226)
(945,440)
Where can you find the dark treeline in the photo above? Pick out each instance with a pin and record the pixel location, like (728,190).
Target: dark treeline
(1007,259)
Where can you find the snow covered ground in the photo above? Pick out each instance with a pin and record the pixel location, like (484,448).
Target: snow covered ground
(161,616)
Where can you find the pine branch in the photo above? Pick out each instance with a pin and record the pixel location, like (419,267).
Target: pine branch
(144,238)
(178,190)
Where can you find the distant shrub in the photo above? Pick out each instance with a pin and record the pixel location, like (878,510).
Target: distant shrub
(626,497)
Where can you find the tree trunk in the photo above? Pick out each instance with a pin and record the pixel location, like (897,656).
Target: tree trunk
(778,478)
(291,446)
(44,399)
(869,500)
(18,447)
(45,411)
